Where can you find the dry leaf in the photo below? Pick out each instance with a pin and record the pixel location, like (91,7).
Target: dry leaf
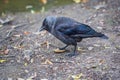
(43,1)
(17,35)
(77,77)
(77,1)
(47,62)
(46,44)
(26,32)
(59,51)
(101,62)
(80,49)
(2,60)
(18,47)
(25,64)
(85,1)
(6,51)
(20,79)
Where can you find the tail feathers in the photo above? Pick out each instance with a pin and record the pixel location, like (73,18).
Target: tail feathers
(89,35)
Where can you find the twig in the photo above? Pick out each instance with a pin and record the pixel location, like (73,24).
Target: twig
(7,20)
(15,27)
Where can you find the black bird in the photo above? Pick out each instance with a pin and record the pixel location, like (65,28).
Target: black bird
(69,31)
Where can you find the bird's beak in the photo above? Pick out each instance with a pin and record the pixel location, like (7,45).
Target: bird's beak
(41,29)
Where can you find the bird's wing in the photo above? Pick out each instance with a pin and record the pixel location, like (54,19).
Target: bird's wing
(76,30)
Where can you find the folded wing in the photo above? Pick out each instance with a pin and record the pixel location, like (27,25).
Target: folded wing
(78,30)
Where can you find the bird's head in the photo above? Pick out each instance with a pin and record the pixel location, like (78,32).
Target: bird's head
(48,23)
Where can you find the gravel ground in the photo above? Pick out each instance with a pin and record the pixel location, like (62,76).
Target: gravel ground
(26,54)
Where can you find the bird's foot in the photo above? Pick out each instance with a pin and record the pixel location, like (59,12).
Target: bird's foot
(61,48)
(72,54)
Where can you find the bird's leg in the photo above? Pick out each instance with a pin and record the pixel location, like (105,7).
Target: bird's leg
(64,47)
(74,52)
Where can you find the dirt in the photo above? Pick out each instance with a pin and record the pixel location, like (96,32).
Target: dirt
(29,55)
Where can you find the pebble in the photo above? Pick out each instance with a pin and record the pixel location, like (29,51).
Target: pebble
(90,48)
(20,79)
(100,28)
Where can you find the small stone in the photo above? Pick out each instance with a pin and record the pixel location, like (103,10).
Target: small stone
(90,48)
(100,28)
(20,79)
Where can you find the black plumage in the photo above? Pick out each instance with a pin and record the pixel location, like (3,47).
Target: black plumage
(69,31)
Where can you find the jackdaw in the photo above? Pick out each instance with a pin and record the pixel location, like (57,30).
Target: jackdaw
(69,31)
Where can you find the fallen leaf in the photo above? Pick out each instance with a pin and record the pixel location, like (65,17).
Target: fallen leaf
(25,64)
(43,1)
(101,62)
(26,32)
(6,51)
(20,79)
(46,43)
(2,60)
(80,49)
(17,35)
(77,77)
(29,79)
(47,62)
(85,1)
(77,1)
(59,51)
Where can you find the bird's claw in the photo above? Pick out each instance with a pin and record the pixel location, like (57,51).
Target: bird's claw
(61,49)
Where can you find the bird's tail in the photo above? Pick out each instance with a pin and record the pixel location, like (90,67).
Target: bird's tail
(102,36)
